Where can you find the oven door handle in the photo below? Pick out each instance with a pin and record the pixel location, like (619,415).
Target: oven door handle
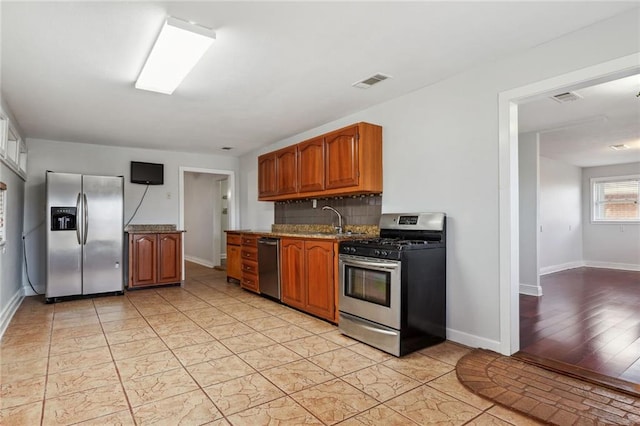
(367,264)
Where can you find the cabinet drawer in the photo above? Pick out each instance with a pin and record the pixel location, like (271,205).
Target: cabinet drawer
(250,254)
(249,267)
(249,282)
(234,239)
(250,240)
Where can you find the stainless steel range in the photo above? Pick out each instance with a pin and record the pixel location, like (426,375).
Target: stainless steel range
(393,288)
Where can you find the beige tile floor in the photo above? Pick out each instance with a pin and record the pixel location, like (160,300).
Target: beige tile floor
(211,353)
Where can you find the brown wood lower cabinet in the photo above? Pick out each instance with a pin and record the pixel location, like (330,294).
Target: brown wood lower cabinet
(249,263)
(155,259)
(292,274)
(234,265)
(307,276)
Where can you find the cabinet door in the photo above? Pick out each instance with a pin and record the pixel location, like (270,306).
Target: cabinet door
(233,261)
(287,171)
(169,258)
(267,175)
(319,278)
(292,272)
(143,260)
(341,165)
(311,165)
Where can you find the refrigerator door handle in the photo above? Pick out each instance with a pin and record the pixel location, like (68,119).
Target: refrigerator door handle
(77,227)
(86,219)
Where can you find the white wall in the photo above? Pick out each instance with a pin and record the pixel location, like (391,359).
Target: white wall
(609,245)
(11,260)
(161,204)
(440,153)
(528,153)
(560,215)
(200,196)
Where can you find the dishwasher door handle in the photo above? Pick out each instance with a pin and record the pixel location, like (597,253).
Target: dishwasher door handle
(268,242)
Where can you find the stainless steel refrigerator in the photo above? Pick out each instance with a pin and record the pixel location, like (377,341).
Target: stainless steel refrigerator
(85,235)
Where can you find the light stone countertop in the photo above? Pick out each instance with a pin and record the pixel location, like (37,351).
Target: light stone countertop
(314,231)
(151,229)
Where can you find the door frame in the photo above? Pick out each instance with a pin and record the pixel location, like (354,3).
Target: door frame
(232,201)
(509,268)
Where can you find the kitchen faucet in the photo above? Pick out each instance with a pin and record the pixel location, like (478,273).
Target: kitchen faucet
(339,227)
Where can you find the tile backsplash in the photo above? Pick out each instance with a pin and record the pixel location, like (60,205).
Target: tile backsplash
(359,210)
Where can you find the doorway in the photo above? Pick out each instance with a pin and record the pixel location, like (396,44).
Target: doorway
(208,207)
(511,250)
(509,191)
(581,315)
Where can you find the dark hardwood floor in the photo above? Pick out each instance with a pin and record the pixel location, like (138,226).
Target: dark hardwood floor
(588,318)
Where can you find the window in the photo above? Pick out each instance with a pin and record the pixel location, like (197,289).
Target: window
(615,199)
(3,209)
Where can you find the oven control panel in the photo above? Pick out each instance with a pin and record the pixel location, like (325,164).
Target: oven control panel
(370,252)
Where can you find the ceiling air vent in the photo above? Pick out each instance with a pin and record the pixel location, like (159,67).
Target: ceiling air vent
(566,97)
(368,82)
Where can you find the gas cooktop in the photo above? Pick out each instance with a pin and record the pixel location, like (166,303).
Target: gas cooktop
(400,233)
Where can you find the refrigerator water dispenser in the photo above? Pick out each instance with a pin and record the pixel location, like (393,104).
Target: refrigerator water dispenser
(63,218)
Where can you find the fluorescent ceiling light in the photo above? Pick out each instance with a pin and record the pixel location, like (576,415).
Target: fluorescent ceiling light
(177,50)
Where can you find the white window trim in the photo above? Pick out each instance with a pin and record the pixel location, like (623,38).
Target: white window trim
(592,199)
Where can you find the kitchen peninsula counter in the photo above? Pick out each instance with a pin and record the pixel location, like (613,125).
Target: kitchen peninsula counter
(155,255)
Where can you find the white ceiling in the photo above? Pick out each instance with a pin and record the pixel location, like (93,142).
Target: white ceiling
(276,69)
(580,132)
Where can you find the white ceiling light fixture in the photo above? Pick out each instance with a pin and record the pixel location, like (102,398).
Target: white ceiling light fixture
(619,147)
(179,47)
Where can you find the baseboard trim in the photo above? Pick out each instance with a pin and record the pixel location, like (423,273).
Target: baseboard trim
(530,289)
(562,267)
(612,265)
(472,340)
(199,261)
(588,263)
(10,310)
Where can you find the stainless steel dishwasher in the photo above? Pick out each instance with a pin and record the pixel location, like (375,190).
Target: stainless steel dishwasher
(269,266)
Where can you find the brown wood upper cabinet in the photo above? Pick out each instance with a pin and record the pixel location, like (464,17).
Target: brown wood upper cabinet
(311,165)
(341,161)
(286,169)
(267,175)
(347,161)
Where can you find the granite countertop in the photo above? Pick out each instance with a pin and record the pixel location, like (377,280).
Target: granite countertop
(151,229)
(315,231)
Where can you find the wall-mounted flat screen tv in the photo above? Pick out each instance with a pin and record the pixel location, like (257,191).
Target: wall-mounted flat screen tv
(147,173)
